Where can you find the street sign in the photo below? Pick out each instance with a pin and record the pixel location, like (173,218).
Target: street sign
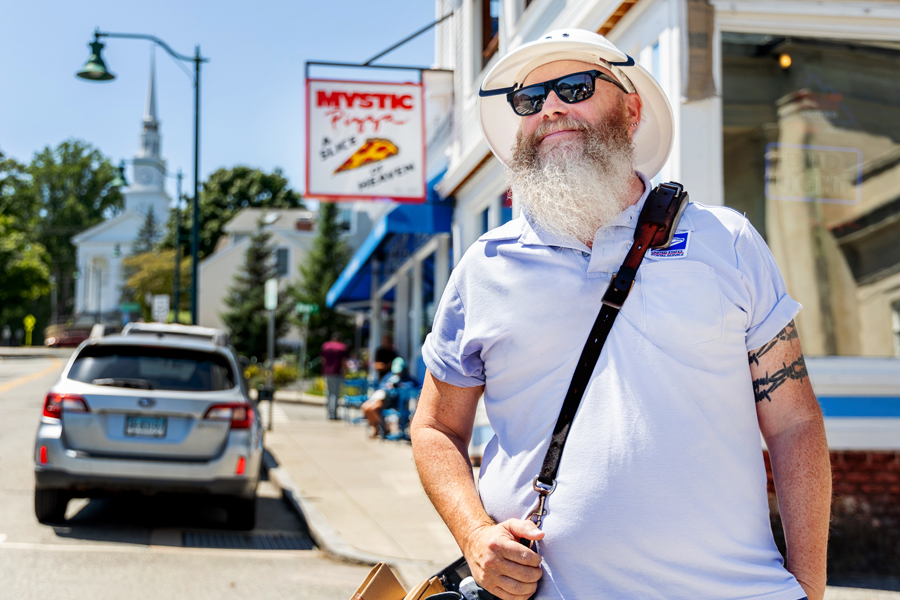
(365,140)
(161,308)
(305,308)
(129,307)
(271,294)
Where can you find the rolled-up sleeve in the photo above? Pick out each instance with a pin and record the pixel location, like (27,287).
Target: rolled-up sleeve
(771,308)
(450,352)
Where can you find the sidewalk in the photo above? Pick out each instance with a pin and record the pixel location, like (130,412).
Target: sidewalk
(34,352)
(361,498)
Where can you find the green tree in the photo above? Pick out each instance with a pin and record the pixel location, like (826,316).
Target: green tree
(69,191)
(148,237)
(318,272)
(14,181)
(143,246)
(24,275)
(247,319)
(154,273)
(227,192)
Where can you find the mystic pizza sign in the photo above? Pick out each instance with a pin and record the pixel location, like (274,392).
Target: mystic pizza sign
(365,140)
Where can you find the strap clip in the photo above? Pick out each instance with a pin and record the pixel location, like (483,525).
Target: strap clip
(537,516)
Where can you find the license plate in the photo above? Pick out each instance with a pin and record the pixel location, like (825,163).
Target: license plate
(145,426)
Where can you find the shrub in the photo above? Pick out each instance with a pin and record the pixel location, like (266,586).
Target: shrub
(318,387)
(284,374)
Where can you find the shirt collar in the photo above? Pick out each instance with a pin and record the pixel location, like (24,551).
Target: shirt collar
(627,218)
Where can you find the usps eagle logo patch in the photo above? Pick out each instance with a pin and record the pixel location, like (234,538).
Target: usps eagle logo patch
(677,249)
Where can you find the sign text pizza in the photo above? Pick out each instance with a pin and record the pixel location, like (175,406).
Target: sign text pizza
(365,140)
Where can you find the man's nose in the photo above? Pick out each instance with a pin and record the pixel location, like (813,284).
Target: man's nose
(553,106)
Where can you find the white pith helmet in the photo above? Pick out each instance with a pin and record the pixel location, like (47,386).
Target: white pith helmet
(653,137)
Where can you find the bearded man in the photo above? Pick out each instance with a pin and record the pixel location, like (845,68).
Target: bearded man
(661,489)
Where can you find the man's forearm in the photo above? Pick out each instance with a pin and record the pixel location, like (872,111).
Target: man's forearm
(446,474)
(802,472)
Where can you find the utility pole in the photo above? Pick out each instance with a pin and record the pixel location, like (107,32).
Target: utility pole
(178,248)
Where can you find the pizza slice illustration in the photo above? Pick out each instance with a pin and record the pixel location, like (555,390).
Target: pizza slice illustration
(373,150)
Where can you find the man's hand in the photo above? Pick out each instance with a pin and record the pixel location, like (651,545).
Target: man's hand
(500,563)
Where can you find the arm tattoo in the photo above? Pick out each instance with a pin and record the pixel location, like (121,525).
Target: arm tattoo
(763,387)
(788,334)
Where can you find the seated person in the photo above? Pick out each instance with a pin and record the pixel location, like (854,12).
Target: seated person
(386,395)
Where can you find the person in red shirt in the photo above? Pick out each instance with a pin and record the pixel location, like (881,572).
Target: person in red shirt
(334,355)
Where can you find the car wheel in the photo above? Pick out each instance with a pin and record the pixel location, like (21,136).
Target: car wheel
(50,505)
(242,513)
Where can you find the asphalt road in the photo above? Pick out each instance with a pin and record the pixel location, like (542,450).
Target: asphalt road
(130,548)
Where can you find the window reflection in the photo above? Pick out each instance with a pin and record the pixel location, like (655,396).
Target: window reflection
(812,156)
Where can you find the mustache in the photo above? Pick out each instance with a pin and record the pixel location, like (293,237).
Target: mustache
(564,123)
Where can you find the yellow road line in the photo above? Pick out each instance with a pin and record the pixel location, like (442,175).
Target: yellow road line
(23,380)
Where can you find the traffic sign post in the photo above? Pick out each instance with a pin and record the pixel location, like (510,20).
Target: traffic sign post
(271,305)
(305,309)
(29,322)
(161,308)
(271,293)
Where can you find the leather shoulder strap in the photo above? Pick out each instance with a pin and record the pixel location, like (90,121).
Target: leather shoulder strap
(656,224)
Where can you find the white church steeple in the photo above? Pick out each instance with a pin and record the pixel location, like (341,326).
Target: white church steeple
(101,249)
(148,185)
(150,140)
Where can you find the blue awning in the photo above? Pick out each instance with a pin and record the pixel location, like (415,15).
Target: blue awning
(395,238)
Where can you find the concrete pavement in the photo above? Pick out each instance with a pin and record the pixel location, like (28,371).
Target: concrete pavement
(362,499)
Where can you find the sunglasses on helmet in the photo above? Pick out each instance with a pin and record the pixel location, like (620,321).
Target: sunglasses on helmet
(571,89)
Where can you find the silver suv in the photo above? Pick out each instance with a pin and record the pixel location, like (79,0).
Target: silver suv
(149,413)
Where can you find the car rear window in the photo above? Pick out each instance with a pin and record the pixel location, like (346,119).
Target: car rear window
(153,368)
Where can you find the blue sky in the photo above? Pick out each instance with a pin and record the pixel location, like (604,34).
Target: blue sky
(252,91)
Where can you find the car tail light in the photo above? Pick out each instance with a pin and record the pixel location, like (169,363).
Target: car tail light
(239,413)
(43,455)
(241,466)
(56,403)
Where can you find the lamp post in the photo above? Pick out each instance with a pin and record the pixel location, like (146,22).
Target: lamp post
(95,70)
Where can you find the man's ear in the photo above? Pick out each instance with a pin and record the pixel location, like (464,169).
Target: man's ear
(633,110)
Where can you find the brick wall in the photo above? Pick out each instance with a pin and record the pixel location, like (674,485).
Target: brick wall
(865,512)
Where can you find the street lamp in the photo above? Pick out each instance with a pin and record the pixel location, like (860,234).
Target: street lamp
(95,70)
(119,180)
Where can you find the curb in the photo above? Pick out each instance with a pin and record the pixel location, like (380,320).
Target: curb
(301,399)
(326,538)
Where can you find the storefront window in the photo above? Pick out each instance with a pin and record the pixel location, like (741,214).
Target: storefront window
(812,157)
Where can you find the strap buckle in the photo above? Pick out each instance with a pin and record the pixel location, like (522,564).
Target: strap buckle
(663,208)
(619,287)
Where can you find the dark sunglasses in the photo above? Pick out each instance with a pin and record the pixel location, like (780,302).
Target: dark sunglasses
(571,89)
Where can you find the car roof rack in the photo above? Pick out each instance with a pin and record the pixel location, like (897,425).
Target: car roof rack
(216,336)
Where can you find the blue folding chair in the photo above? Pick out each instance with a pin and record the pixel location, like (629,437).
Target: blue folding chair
(356,391)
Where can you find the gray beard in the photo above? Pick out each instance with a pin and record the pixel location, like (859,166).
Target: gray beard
(574,188)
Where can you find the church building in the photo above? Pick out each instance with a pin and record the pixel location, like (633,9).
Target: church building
(101,248)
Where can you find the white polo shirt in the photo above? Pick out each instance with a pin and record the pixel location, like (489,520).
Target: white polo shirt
(662,488)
